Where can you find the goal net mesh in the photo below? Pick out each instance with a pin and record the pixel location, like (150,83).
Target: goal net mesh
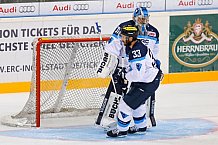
(69,85)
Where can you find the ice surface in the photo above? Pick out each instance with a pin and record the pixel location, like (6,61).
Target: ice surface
(186,115)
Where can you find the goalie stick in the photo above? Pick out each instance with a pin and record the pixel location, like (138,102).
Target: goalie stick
(104,104)
(111,100)
(111,88)
(151,106)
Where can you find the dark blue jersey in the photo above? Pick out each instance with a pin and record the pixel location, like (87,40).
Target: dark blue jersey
(138,51)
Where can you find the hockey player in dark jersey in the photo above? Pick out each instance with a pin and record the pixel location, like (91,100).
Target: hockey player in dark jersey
(149,35)
(144,76)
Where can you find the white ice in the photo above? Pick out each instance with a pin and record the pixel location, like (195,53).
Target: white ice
(174,101)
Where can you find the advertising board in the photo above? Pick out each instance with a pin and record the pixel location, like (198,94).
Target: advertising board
(114,6)
(193,43)
(174,5)
(19,9)
(16,37)
(70,7)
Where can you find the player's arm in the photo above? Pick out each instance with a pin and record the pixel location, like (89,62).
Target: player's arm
(109,60)
(114,45)
(156,50)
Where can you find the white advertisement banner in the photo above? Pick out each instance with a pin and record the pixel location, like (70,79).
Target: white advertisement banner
(17,35)
(19,9)
(173,5)
(114,6)
(70,7)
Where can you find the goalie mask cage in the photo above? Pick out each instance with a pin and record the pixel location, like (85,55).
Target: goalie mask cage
(64,81)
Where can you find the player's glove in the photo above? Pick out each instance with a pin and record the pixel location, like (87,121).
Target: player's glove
(158,63)
(119,78)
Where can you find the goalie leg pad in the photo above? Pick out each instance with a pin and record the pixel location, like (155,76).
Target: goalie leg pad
(112,105)
(111,110)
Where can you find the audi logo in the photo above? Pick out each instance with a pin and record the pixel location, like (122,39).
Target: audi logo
(27,9)
(80,7)
(146,4)
(205,2)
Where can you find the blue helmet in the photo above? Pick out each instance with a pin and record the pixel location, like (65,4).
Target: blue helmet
(141,16)
(141,11)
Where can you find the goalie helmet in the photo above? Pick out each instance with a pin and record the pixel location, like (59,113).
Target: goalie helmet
(130,31)
(141,16)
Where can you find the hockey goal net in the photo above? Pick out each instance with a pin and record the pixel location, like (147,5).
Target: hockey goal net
(64,81)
